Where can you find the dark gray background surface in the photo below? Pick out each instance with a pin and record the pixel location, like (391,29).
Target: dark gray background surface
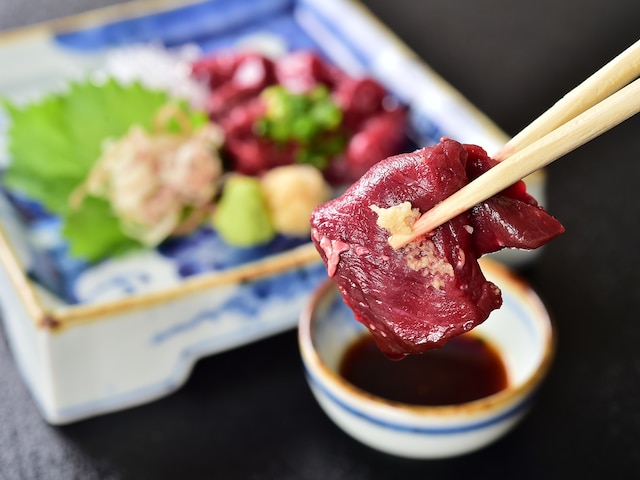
(247,414)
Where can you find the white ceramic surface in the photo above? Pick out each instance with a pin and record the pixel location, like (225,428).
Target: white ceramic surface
(521,330)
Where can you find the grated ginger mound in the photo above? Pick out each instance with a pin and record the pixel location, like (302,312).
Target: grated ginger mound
(291,193)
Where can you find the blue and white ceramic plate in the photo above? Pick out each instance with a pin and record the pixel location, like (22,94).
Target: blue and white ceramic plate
(93,339)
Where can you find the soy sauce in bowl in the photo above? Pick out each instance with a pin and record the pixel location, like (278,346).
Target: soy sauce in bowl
(467,368)
(520,333)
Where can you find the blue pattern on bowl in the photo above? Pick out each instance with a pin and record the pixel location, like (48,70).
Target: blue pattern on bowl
(211,25)
(251,300)
(204,250)
(512,412)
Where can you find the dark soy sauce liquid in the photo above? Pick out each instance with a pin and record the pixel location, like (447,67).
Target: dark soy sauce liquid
(466,368)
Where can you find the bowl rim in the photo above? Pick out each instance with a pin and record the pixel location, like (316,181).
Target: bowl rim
(512,399)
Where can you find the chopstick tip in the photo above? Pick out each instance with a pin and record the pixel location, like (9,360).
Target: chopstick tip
(506,151)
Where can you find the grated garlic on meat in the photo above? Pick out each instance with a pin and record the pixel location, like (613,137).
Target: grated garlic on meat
(421,254)
(397,219)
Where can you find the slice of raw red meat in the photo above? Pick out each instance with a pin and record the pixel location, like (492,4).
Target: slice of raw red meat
(417,297)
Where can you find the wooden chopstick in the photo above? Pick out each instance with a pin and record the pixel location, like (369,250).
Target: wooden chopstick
(610,78)
(579,130)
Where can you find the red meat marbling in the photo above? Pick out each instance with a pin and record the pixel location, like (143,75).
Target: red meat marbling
(417,297)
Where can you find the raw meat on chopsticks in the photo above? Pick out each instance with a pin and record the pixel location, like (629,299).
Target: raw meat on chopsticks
(419,296)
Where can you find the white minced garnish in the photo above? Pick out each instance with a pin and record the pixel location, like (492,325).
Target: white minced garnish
(156,67)
(150,178)
(397,219)
(421,254)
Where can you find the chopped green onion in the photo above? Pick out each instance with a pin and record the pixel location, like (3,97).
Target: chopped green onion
(310,120)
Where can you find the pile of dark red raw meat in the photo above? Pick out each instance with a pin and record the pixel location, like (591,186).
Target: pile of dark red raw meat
(409,309)
(375,127)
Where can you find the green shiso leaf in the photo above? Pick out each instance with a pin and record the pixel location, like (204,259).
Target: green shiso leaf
(96,217)
(54,143)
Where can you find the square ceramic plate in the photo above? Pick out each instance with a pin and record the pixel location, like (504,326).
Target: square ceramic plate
(135,336)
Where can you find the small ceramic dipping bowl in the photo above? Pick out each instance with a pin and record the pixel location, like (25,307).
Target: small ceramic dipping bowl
(521,332)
